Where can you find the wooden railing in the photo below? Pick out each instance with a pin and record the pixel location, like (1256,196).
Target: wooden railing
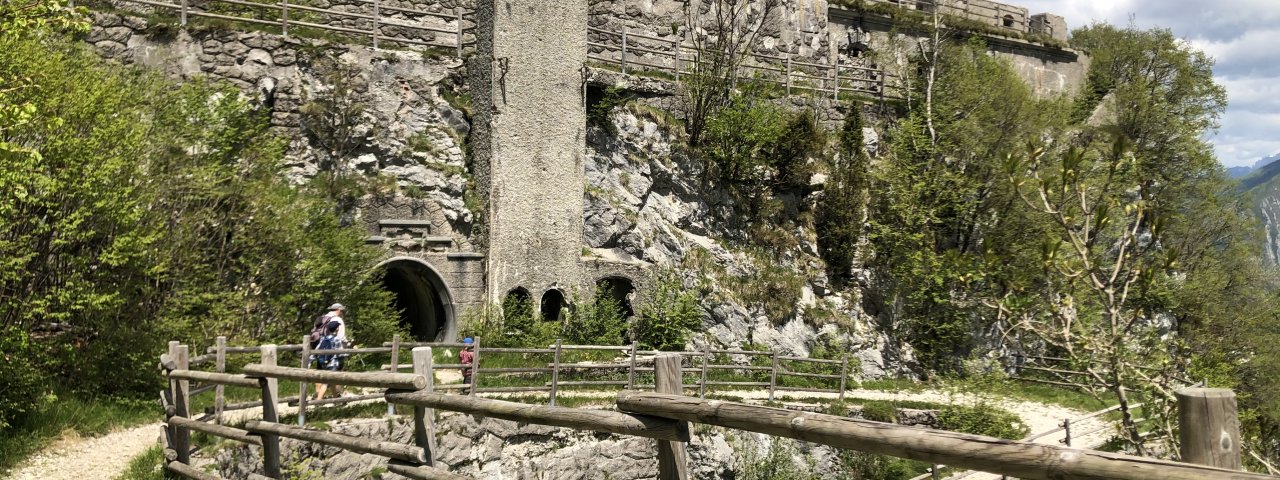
(663,415)
(1057,371)
(378,20)
(633,52)
(547,369)
(997,14)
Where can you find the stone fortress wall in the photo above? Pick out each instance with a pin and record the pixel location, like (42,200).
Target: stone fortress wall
(527,80)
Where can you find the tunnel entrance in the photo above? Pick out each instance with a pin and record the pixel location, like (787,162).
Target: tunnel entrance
(552,302)
(421,297)
(619,289)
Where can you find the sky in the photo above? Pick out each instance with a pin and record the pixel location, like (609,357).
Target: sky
(1242,35)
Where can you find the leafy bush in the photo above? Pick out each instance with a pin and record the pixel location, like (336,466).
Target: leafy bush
(598,322)
(740,140)
(667,313)
(777,464)
(23,383)
(982,419)
(856,465)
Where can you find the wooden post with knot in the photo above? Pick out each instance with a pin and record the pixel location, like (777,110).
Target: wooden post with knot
(1209,430)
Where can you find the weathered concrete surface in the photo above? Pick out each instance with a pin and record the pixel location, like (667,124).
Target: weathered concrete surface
(527,84)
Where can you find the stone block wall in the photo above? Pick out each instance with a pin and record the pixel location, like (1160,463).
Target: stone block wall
(528,87)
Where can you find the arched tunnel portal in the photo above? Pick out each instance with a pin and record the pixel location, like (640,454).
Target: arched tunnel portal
(421,297)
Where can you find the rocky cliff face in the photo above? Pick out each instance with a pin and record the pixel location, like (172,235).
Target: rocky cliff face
(1263,185)
(647,201)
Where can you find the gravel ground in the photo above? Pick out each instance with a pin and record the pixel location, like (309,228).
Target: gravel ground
(106,457)
(99,458)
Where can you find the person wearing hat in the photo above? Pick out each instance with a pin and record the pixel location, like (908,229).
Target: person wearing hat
(334,322)
(467,357)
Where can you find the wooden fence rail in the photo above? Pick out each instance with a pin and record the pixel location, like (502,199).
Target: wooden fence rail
(663,416)
(374,20)
(1020,459)
(679,58)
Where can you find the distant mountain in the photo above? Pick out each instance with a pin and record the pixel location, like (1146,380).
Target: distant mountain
(1242,171)
(1266,161)
(1263,186)
(1239,172)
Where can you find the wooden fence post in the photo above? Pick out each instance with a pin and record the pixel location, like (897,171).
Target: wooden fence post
(304,387)
(631,374)
(1209,431)
(395,363)
(1066,432)
(173,388)
(676,44)
(182,403)
(219,392)
(270,402)
(377,27)
(555,372)
(668,378)
(424,422)
(623,57)
(706,359)
(788,74)
(284,18)
(457,13)
(773,373)
(844,372)
(182,16)
(475,366)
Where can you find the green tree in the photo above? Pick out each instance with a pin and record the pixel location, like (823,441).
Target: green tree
(134,211)
(841,213)
(941,229)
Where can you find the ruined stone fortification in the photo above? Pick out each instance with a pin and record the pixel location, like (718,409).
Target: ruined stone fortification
(539,203)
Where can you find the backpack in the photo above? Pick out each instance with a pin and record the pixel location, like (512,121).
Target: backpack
(328,342)
(317,330)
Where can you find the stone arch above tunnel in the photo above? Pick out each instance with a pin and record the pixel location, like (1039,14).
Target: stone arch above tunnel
(422,297)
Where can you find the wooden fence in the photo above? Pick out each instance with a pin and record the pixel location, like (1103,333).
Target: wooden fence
(547,372)
(1057,371)
(992,13)
(632,52)
(663,415)
(378,20)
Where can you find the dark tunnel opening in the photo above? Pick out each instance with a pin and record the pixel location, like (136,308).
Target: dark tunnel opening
(420,297)
(619,289)
(552,302)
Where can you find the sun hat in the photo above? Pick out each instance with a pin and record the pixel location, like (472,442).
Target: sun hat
(337,306)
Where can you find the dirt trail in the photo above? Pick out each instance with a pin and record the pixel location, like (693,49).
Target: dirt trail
(99,458)
(106,457)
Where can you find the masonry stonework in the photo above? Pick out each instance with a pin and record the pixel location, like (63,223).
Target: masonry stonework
(529,139)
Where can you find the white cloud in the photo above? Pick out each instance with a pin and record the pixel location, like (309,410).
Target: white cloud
(1242,35)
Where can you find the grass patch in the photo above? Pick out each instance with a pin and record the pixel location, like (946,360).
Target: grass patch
(146,466)
(71,413)
(320,416)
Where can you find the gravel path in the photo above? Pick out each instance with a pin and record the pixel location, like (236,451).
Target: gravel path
(99,458)
(109,455)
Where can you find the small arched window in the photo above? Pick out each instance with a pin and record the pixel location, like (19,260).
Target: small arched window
(1008,21)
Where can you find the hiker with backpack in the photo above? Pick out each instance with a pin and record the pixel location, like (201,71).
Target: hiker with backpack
(331,330)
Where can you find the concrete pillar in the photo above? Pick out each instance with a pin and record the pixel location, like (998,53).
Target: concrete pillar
(530,125)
